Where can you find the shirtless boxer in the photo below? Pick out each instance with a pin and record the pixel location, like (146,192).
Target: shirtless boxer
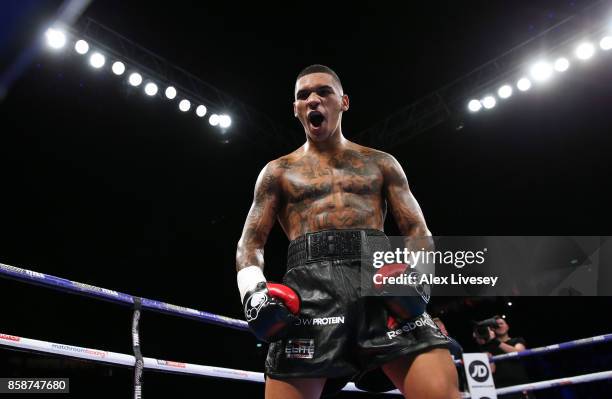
(330,196)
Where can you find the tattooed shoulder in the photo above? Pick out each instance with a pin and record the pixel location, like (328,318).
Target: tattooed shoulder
(283,162)
(268,181)
(376,155)
(390,167)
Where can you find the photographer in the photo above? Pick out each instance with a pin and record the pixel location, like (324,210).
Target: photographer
(492,337)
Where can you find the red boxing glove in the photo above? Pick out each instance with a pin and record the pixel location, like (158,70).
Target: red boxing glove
(411,299)
(287,295)
(270,309)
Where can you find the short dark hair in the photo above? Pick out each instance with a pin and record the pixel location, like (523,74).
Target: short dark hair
(318,68)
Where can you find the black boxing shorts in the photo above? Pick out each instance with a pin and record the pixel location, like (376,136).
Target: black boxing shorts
(341,334)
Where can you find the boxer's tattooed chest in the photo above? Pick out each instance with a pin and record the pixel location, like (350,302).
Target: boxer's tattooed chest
(343,191)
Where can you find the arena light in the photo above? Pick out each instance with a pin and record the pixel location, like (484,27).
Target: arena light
(489,102)
(118,68)
(585,50)
(97,60)
(561,64)
(505,91)
(474,106)
(81,47)
(509,303)
(56,39)
(606,43)
(201,110)
(184,105)
(225,121)
(523,84)
(170,92)
(214,120)
(541,71)
(150,89)
(135,79)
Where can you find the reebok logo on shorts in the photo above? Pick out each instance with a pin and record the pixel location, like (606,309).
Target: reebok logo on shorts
(300,349)
(412,325)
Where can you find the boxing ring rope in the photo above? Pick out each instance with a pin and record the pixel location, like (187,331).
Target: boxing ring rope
(559,382)
(73,287)
(101,356)
(536,386)
(554,348)
(121,359)
(549,349)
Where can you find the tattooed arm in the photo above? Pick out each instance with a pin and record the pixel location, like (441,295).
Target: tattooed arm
(260,219)
(411,301)
(404,207)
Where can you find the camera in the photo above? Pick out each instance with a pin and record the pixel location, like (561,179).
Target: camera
(481,328)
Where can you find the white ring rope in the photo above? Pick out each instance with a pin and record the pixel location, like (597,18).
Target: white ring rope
(102,356)
(150,363)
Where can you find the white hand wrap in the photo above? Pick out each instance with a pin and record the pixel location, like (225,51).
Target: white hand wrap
(248,278)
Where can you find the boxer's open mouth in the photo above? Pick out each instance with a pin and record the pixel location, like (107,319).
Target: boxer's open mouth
(316,118)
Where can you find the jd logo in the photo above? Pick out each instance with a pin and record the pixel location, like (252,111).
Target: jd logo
(479,371)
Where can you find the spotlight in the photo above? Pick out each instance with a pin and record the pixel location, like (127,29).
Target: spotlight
(97,60)
(184,105)
(509,303)
(523,84)
(214,120)
(55,38)
(170,92)
(118,68)
(585,51)
(225,121)
(201,110)
(562,64)
(135,79)
(606,43)
(150,89)
(488,102)
(541,71)
(81,47)
(474,105)
(505,91)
